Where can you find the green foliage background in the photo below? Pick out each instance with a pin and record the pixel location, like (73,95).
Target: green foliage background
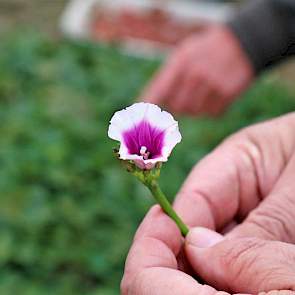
(67,210)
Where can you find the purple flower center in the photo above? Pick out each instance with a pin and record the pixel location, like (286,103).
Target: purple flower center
(144,137)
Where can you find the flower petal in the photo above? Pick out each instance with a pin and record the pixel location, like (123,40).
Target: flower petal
(126,119)
(171,139)
(158,118)
(125,155)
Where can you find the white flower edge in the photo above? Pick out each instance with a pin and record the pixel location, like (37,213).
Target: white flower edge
(129,117)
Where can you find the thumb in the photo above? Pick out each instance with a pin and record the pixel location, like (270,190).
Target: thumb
(241,265)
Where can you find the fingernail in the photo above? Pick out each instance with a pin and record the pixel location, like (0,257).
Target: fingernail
(203,238)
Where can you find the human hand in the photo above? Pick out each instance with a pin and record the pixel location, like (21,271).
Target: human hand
(246,180)
(152,267)
(242,264)
(204,74)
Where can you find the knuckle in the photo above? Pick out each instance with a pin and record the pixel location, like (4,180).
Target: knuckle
(195,76)
(253,132)
(240,256)
(247,148)
(243,136)
(261,263)
(276,217)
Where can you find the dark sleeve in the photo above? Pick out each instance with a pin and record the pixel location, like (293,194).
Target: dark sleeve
(266,30)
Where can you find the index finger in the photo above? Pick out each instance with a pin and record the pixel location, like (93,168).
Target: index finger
(163,84)
(156,244)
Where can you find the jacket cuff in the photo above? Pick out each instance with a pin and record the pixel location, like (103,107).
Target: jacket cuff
(262,32)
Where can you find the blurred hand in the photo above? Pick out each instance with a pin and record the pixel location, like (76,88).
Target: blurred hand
(245,189)
(204,74)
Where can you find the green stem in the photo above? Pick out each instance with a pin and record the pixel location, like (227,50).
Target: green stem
(165,205)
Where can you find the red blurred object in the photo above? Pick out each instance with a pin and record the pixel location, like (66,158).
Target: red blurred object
(153,25)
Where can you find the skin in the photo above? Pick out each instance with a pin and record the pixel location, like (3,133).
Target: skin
(244,189)
(204,74)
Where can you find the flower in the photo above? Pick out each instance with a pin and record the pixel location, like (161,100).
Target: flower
(147,135)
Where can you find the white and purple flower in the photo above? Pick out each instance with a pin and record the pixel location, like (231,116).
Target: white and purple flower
(146,133)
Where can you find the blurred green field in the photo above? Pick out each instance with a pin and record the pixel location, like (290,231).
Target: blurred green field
(68,211)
